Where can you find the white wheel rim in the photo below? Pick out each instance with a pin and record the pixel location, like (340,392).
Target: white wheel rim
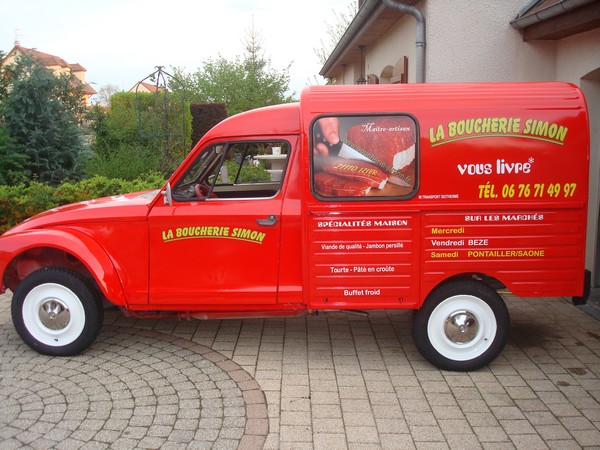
(53,314)
(465,344)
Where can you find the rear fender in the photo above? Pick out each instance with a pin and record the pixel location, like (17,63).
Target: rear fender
(74,243)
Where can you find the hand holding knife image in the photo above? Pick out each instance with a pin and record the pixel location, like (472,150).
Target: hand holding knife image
(384,143)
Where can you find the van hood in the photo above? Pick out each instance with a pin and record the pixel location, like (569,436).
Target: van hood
(118,208)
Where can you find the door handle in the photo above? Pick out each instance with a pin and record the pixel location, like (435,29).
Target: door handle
(269,221)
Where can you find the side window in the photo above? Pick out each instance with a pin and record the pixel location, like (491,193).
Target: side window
(236,170)
(364,157)
(253,162)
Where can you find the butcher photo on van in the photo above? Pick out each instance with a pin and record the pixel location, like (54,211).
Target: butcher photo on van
(364,156)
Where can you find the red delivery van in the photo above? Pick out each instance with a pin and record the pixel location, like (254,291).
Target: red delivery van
(425,197)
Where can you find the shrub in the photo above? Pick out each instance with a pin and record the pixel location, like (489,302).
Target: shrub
(126,161)
(249,173)
(204,117)
(21,201)
(147,131)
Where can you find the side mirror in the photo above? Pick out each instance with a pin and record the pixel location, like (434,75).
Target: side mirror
(167,195)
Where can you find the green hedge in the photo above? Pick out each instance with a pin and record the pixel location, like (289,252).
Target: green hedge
(139,131)
(22,201)
(204,117)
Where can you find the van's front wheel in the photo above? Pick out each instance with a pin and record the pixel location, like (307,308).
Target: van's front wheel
(463,325)
(56,312)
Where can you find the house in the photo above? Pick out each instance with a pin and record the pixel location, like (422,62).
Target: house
(55,63)
(147,87)
(393,41)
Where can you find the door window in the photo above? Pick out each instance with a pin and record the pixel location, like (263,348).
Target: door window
(236,170)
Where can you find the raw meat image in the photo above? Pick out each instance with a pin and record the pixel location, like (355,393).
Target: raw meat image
(333,186)
(364,156)
(388,142)
(356,170)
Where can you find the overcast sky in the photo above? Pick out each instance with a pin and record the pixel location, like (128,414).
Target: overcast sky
(120,42)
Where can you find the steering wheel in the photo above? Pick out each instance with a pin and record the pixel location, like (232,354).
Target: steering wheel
(202,191)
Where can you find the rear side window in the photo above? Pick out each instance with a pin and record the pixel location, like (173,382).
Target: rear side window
(364,157)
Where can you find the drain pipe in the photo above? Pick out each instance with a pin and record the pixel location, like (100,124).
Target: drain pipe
(420,42)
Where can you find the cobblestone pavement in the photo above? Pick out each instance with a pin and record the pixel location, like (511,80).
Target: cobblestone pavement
(326,382)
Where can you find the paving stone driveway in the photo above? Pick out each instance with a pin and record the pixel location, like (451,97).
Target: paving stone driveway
(326,382)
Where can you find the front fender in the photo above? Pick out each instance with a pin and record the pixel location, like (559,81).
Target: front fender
(81,246)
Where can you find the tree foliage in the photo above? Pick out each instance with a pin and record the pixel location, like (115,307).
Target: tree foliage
(243,83)
(105,93)
(335,30)
(139,133)
(204,117)
(12,163)
(40,113)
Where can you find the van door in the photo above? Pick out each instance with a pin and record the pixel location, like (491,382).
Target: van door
(219,242)
(362,238)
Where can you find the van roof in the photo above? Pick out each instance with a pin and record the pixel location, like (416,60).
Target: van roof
(269,120)
(317,100)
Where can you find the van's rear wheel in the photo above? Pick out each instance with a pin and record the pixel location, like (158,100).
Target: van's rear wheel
(56,312)
(463,325)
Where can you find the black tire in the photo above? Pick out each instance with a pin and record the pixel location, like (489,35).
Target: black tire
(463,325)
(57,312)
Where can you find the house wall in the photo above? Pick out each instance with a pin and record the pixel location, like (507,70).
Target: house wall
(80,75)
(578,55)
(578,62)
(466,43)
(399,42)
(474,41)
(591,89)
(351,73)
(9,59)
(56,69)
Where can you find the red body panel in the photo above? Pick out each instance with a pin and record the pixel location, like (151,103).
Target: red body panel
(502,191)
(495,184)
